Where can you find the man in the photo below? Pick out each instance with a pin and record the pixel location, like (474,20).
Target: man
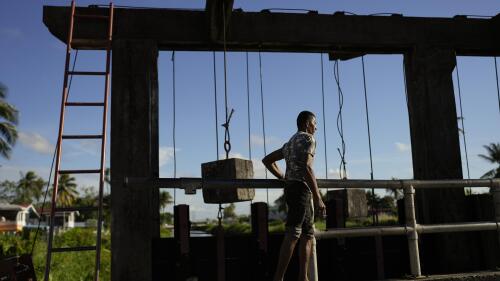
(298,153)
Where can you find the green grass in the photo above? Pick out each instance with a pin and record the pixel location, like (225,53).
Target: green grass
(70,266)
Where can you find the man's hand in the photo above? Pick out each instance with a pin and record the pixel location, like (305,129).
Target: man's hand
(320,206)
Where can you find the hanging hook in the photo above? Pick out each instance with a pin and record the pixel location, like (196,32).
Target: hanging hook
(227,137)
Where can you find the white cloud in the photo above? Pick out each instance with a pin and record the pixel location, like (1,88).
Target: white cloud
(166,154)
(259,140)
(36,142)
(335,173)
(232,155)
(402,147)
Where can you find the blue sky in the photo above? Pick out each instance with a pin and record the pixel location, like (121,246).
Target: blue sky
(32,61)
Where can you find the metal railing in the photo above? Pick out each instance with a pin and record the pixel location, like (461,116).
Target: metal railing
(412,229)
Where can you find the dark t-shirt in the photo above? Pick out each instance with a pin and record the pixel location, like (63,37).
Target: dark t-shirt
(296,151)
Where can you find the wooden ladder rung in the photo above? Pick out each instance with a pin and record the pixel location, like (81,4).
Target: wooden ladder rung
(84,104)
(73,249)
(82,136)
(61,172)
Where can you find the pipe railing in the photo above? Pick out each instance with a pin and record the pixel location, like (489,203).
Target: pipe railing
(199,183)
(412,229)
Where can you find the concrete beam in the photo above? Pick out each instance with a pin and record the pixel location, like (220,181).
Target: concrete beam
(286,32)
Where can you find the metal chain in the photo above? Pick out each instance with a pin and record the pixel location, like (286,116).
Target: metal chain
(227,136)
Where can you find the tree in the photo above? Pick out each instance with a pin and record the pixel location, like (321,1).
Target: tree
(229,212)
(396,193)
(66,193)
(493,157)
(165,199)
(7,190)
(29,188)
(8,121)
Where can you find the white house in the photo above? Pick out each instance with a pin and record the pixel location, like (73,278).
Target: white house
(13,218)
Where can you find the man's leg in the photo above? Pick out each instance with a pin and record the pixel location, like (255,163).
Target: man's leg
(286,252)
(304,255)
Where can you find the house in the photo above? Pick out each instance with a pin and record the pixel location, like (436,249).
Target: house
(13,218)
(64,219)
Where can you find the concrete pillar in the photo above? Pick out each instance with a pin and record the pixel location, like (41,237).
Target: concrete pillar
(134,153)
(436,151)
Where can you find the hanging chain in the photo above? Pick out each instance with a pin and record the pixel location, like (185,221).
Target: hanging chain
(227,136)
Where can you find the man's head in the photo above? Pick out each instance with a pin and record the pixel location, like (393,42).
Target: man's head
(306,122)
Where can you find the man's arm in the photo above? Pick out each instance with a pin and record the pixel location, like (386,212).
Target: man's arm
(270,162)
(313,185)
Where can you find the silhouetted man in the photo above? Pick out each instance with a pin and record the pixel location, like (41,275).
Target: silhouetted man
(301,184)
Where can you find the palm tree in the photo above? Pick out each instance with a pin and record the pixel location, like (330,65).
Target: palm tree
(165,199)
(29,188)
(8,121)
(493,157)
(66,190)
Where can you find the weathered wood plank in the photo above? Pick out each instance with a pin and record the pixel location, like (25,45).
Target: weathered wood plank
(134,151)
(286,32)
(436,154)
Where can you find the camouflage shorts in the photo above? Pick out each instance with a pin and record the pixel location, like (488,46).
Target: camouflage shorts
(300,217)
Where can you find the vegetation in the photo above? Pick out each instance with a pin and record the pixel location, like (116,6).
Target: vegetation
(28,189)
(493,156)
(76,266)
(66,190)
(8,121)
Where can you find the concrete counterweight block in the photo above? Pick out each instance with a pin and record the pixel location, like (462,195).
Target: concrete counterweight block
(356,205)
(232,168)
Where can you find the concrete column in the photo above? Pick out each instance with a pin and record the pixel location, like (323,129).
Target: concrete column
(134,153)
(436,151)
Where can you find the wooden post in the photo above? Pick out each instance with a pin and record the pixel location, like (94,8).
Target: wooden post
(260,224)
(134,153)
(221,254)
(181,235)
(260,230)
(335,213)
(436,150)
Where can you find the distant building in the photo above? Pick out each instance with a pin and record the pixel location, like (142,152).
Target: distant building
(62,219)
(13,218)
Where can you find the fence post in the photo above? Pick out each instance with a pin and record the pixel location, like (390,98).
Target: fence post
(412,234)
(181,235)
(495,192)
(260,233)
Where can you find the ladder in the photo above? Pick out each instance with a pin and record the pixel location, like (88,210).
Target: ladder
(105,44)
